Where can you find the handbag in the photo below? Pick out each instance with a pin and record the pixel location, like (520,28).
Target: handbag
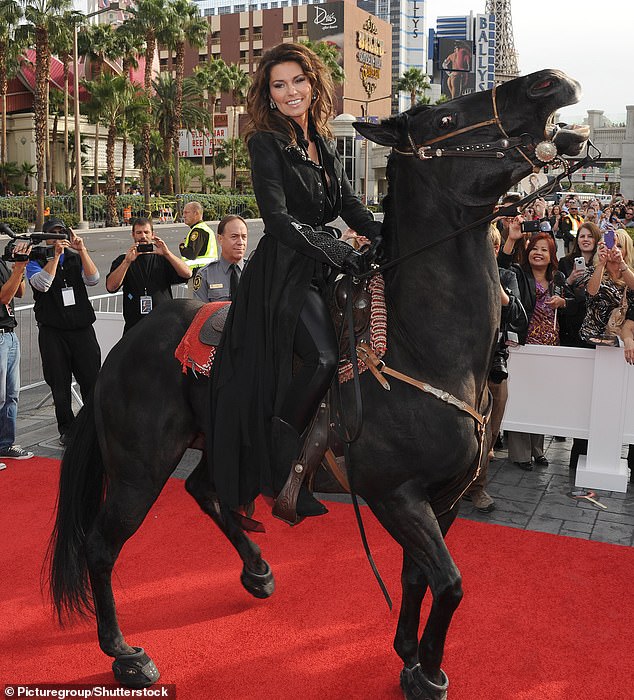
(617,317)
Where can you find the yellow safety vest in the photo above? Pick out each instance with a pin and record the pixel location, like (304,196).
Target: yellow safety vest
(210,254)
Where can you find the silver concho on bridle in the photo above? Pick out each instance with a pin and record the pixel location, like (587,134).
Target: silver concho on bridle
(546,151)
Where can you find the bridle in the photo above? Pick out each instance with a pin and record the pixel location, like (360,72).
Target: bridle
(494,149)
(545,153)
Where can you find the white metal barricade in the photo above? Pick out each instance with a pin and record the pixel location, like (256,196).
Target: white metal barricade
(576,392)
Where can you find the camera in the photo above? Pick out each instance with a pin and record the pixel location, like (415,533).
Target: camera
(530,226)
(38,252)
(145,247)
(536,226)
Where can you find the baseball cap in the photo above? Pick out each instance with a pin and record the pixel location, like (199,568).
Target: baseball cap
(51,224)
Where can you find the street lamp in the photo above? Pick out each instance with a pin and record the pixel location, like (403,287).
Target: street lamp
(81,224)
(366,169)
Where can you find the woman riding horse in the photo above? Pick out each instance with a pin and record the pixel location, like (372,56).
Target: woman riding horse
(260,407)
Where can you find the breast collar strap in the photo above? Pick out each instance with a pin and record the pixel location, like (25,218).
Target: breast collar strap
(494,149)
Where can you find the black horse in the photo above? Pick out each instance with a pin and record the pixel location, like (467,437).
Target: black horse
(449,165)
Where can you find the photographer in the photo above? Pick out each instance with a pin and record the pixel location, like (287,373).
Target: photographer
(11,286)
(65,318)
(513,323)
(147,272)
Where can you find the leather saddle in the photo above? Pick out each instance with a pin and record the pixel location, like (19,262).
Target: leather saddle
(211,330)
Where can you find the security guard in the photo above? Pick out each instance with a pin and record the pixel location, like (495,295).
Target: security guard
(199,247)
(218,281)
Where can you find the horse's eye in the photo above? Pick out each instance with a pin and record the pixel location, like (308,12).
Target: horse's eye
(446,122)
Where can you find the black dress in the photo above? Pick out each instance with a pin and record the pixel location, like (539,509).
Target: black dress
(253,368)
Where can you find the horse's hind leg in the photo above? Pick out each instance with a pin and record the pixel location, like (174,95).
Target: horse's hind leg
(256,577)
(409,518)
(123,511)
(414,587)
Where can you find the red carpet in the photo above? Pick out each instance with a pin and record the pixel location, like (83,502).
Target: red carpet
(543,618)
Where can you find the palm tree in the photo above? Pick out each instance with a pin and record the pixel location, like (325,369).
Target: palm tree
(415,82)
(130,126)
(186,26)
(10,15)
(27,171)
(99,44)
(330,57)
(9,170)
(55,105)
(43,19)
(193,115)
(62,47)
(110,96)
(239,82)
(213,78)
(149,17)
(129,45)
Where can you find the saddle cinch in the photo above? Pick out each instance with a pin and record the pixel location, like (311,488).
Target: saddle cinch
(321,445)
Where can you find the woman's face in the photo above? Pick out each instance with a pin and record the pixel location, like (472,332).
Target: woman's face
(291,90)
(556,210)
(539,257)
(585,241)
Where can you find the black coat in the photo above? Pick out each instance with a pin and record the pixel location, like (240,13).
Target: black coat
(253,366)
(528,292)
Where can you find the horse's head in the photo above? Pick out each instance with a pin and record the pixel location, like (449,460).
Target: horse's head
(486,141)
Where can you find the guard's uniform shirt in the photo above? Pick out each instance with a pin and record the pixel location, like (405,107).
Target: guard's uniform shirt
(213,282)
(199,247)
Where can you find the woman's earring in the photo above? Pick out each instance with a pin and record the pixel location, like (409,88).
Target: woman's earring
(272,104)
(314,96)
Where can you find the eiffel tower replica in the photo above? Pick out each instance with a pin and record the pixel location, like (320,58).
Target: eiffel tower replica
(505,54)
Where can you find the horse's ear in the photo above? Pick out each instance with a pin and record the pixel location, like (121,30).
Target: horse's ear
(387,133)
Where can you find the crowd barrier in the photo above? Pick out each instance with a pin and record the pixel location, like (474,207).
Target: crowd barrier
(108,328)
(573,392)
(576,392)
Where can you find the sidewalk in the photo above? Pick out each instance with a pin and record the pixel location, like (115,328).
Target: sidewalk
(536,500)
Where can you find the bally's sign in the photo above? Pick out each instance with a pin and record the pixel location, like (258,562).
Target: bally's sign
(370,49)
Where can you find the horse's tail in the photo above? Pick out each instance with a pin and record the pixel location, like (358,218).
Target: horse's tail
(81,490)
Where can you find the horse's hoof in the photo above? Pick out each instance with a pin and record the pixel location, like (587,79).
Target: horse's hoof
(258,585)
(416,686)
(135,670)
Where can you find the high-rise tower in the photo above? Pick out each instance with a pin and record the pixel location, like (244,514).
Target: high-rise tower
(505,55)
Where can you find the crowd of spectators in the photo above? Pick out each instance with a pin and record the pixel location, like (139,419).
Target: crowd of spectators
(574,266)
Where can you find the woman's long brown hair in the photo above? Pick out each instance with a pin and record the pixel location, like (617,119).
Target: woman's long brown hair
(263,118)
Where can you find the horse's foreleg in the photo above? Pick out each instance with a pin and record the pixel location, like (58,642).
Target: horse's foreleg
(256,574)
(414,587)
(409,518)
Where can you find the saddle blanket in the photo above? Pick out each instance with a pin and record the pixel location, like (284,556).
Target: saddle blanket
(191,353)
(194,355)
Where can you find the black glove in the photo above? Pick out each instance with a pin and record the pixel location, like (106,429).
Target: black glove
(355,264)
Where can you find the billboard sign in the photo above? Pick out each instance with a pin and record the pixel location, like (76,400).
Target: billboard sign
(325,23)
(192,143)
(455,57)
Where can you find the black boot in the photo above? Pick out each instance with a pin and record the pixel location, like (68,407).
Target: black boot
(287,445)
